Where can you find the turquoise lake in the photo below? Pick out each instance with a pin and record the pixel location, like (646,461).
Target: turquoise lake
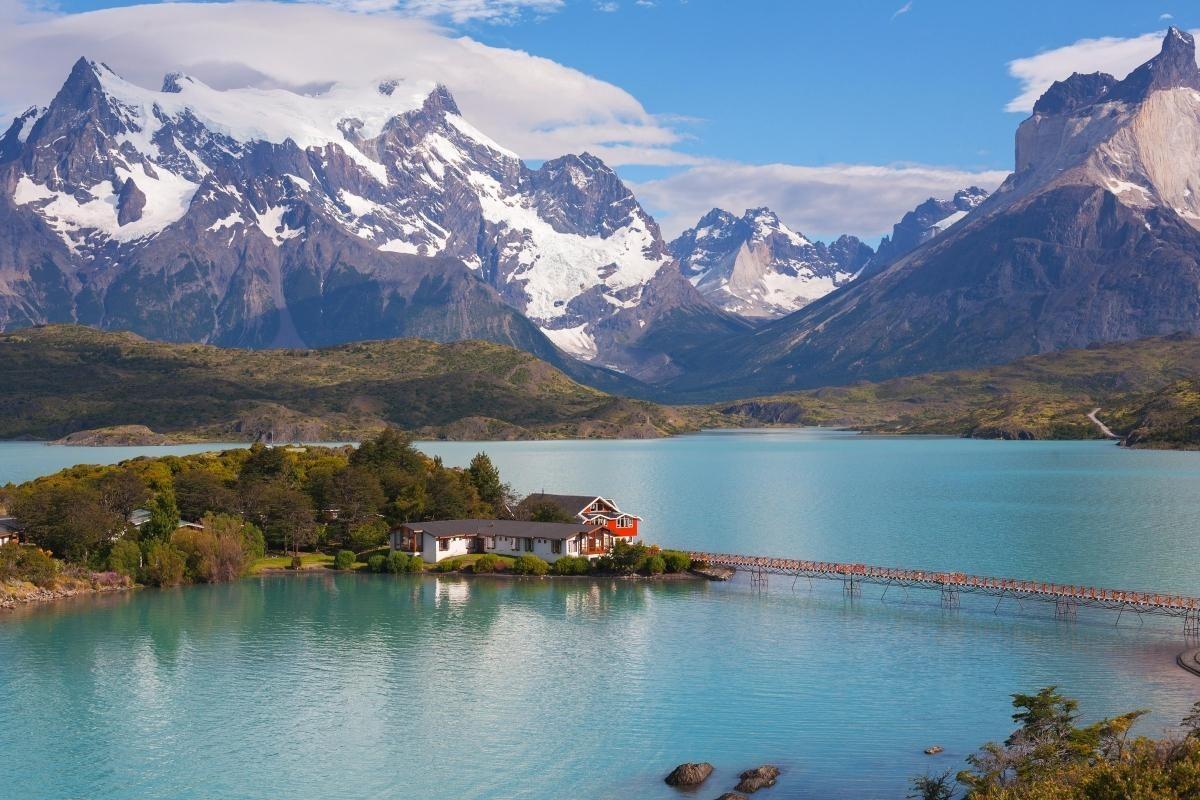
(398,687)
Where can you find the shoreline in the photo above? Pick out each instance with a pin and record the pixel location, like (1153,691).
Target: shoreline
(23,594)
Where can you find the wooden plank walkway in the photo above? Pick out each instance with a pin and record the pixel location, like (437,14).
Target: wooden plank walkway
(1066,597)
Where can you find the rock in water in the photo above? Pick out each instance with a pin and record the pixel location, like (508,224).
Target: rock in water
(690,774)
(732,796)
(934,750)
(758,778)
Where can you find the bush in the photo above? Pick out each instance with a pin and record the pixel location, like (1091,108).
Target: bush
(571,565)
(344,559)
(676,561)
(396,562)
(653,565)
(125,557)
(624,558)
(486,563)
(377,563)
(297,562)
(367,535)
(416,564)
(165,565)
(449,565)
(33,564)
(530,565)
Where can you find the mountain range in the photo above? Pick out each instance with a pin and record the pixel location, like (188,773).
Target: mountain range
(266,218)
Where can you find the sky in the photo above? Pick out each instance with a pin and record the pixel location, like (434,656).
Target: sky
(839,115)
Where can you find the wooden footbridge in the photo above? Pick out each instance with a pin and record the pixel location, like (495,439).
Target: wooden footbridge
(1067,599)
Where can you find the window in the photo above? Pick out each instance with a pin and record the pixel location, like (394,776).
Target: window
(515,546)
(572,546)
(528,545)
(624,522)
(556,546)
(443,544)
(489,543)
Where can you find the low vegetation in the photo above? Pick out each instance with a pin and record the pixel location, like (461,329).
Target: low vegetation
(99,387)
(1050,756)
(1146,390)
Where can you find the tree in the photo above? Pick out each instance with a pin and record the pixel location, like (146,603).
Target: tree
(371,533)
(548,512)
(486,479)
(164,517)
(125,557)
(284,514)
(66,518)
(265,463)
(389,449)
(451,495)
(1191,723)
(932,787)
(165,566)
(122,491)
(198,492)
(343,560)
(356,494)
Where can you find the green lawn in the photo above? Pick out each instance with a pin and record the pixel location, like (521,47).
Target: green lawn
(307,561)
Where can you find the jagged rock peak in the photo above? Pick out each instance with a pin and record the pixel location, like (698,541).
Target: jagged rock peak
(1174,67)
(439,100)
(173,82)
(1075,92)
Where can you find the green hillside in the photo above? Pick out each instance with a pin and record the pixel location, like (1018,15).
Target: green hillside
(60,380)
(1135,385)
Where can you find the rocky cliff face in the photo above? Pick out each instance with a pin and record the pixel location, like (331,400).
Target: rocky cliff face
(1092,239)
(757,267)
(268,218)
(920,225)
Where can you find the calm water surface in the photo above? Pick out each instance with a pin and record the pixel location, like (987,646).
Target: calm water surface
(382,687)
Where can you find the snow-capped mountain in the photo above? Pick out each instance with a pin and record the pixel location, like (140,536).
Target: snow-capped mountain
(1095,237)
(924,222)
(267,218)
(757,267)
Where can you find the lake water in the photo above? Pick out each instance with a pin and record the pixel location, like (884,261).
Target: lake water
(397,687)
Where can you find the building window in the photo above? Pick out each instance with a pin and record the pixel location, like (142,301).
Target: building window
(443,544)
(528,545)
(624,522)
(489,543)
(515,546)
(556,546)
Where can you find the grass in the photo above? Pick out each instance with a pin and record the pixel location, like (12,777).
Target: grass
(307,561)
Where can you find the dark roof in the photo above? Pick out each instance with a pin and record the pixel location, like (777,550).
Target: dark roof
(9,525)
(501,527)
(570,503)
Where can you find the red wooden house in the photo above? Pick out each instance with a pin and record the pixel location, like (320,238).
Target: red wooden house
(586,509)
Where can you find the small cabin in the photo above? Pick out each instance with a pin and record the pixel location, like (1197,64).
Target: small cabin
(10,531)
(584,508)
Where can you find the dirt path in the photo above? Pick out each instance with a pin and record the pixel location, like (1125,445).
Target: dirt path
(1107,431)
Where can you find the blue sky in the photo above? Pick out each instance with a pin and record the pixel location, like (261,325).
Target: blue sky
(762,82)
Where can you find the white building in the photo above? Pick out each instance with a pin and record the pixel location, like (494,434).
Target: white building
(549,541)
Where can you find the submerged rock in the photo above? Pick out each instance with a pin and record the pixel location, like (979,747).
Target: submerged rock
(934,750)
(690,774)
(758,778)
(732,796)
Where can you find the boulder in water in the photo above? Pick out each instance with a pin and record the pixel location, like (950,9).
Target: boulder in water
(690,774)
(758,778)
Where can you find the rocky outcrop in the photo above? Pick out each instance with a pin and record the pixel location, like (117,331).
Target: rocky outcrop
(920,225)
(115,436)
(758,778)
(689,775)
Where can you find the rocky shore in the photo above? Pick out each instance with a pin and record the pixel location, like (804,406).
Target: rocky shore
(21,593)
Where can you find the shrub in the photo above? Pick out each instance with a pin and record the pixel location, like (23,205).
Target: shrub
(125,557)
(165,565)
(571,565)
(449,565)
(530,565)
(396,562)
(486,563)
(416,564)
(676,561)
(343,560)
(624,558)
(297,562)
(109,580)
(653,565)
(367,535)
(32,564)
(377,563)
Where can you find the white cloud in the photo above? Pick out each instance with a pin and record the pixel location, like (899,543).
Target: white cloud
(539,108)
(1113,55)
(1166,16)
(904,9)
(470,10)
(608,7)
(818,201)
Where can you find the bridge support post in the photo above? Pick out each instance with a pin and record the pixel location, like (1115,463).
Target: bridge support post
(1065,608)
(1191,623)
(758,578)
(950,597)
(851,588)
